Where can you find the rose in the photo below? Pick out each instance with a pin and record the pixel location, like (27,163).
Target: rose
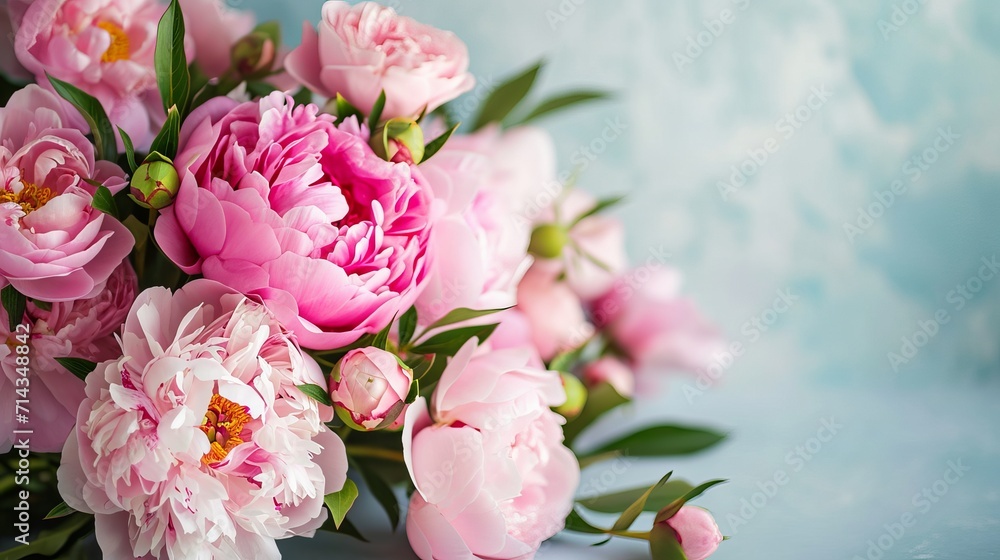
(83,328)
(54,246)
(277,202)
(104,47)
(214,28)
(696,531)
(197,442)
(553,310)
(369,387)
(613,371)
(361,50)
(653,325)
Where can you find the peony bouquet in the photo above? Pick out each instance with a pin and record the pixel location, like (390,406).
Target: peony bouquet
(244,286)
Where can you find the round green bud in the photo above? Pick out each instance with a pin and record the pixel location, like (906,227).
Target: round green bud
(576,396)
(548,241)
(154,185)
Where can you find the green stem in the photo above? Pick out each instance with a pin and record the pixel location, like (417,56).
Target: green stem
(631,535)
(344,432)
(375,453)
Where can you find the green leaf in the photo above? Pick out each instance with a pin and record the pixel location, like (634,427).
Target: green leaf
(436,144)
(578,524)
(61,510)
(601,205)
(263,89)
(462,314)
(601,399)
(382,338)
(172,74)
(663,544)
(93,113)
(49,542)
(15,304)
(631,513)
(660,441)
(346,110)
(676,505)
(346,528)
(316,393)
(340,502)
(104,201)
(302,97)
(507,96)
(407,326)
(383,494)
(166,142)
(414,392)
(376,112)
(429,379)
(560,102)
(617,502)
(129,149)
(77,366)
(564,361)
(448,343)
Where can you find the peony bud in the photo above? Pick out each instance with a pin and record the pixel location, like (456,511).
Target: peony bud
(696,531)
(399,140)
(154,185)
(613,371)
(576,396)
(548,241)
(254,54)
(369,388)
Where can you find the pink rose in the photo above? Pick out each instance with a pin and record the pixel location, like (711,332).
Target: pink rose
(647,319)
(54,246)
(613,371)
(197,443)
(368,388)
(277,202)
(492,477)
(83,328)
(104,47)
(361,50)
(696,531)
(214,28)
(556,314)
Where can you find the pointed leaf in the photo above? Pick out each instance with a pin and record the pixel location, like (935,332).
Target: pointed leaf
(436,144)
(601,399)
(78,366)
(61,510)
(339,503)
(170,61)
(316,393)
(661,441)
(560,102)
(165,143)
(382,338)
(448,343)
(15,304)
(617,502)
(376,112)
(94,114)
(407,326)
(578,524)
(676,505)
(105,201)
(463,314)
(507,96)
(601,205)
(129,149)
(345,109)
(632,512)
(414,392)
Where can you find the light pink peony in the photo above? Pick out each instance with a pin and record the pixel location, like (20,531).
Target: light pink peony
(369,387)
(104,47)
(53,245)
(84,329)
(697,532)
(492,477)
(215,27)
(653,325)
(277,202)
(198,443)
(609,369)
(555,313)
(361,50)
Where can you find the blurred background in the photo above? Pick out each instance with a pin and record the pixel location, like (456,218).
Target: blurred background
(826,175)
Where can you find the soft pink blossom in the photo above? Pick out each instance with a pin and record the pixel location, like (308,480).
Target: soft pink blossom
(83,328)
(554,311)
(369,387)
(277,202)
(611,370)
(360,50)
(215,27)
(54,246)
(197,442)
(696,531)
(104,47)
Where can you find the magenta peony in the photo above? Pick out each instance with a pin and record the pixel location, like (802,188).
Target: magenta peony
(54,246)
(361,50)
(277,202)
(197,443)
(85,329)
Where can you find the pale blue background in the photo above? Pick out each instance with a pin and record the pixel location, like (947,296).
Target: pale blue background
(827,356)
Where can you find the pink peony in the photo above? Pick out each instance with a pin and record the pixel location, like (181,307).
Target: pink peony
(361,50)
(492,477)
(85,329)
(197,443)
(697,532)
(648,320)
(555,313)
(214,28)
(104,47)
(53,245)
(613,371)
(277,202)
(368,388)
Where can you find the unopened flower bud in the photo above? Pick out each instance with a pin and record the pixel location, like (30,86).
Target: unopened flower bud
(576,396)
(369,388)
(399,140)
(548,241)
(694,529)
(254,54)
(154,185)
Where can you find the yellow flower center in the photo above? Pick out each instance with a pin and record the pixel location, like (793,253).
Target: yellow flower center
(119,49)
(29,198)
(223,424)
